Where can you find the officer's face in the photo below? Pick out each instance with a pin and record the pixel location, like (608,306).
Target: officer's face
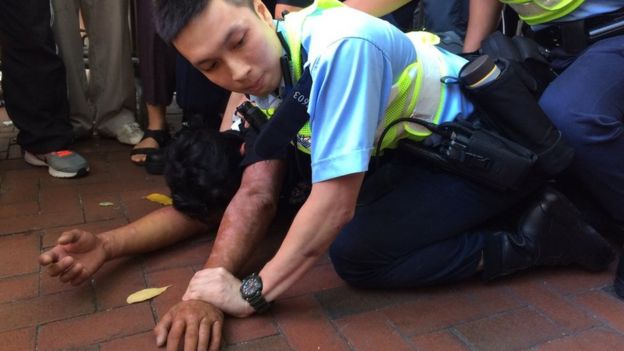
(234,47)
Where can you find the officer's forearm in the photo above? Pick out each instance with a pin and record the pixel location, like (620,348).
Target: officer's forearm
(330,206)
(482,20)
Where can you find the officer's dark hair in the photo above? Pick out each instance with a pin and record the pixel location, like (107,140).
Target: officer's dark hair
(203,172)
(172,16)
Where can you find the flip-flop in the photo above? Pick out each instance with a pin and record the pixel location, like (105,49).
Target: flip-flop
(162,138)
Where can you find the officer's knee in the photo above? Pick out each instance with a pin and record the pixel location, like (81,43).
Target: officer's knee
(551,103)
(352,263)
(583,128)
(341,258)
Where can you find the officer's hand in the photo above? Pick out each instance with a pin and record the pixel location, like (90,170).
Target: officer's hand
(220,288)
(76,257)
(195,324)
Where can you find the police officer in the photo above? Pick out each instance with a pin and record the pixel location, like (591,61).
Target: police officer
(364,73)
(586,101)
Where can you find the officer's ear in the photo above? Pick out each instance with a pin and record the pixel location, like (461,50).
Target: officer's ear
(262,11)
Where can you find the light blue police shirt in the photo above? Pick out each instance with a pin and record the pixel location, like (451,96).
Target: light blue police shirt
(354,59)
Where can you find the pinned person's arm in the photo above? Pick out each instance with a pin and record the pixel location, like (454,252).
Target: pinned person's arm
(248,215)
(78,254)
(244,224)
(482,21)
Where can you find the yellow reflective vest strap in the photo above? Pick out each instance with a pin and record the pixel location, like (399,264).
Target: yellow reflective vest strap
(417,93)
(268,112)
(294,26)
(542,11)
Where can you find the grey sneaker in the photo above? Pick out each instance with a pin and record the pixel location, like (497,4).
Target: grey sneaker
(61,164)
(130,133)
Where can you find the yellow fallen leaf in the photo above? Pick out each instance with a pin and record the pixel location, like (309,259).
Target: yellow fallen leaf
(160,198)
(106,204)
(145,294)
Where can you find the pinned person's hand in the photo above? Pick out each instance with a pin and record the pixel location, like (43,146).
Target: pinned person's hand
(190,326)
(77,255)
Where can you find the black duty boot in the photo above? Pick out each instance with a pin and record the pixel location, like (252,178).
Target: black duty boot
(550,233)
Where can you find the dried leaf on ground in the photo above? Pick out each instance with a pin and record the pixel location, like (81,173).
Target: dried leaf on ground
(145,294)
(160,198)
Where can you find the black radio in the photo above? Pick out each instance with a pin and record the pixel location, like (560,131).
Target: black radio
(252,115)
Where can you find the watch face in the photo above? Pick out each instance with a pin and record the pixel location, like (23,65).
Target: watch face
(251,286)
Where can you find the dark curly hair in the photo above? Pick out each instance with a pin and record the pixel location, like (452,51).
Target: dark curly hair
(203,171)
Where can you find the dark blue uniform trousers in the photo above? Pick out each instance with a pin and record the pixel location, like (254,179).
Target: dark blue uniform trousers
(586,102)
(416,225)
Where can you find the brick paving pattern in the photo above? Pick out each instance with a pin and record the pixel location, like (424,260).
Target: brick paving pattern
(548,309)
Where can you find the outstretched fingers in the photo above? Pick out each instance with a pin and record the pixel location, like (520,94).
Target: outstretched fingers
(215,335)
(204,335)
(191,334)
(162,329)
(175,335)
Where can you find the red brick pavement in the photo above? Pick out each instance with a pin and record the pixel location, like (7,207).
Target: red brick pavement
(550,309)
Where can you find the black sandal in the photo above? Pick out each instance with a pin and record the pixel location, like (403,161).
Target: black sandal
(161,136)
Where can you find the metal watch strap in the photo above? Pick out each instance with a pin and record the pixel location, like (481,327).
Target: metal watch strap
(259,304)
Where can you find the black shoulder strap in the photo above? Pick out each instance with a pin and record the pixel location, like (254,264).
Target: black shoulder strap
(288,119)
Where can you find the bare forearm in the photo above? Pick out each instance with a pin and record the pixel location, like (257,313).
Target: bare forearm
(158,229)
(329,207)
(376,8)
(244,224)
(483,20)
(296,256)
(248,216)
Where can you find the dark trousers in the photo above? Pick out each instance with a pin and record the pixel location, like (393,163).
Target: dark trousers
(156,58)
(586,102)
(33,76)
(446,16)
(416,226)
(439,16)
(163,70)
(197,96)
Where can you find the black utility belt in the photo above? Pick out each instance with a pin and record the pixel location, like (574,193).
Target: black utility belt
(575,36)
(474,153)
